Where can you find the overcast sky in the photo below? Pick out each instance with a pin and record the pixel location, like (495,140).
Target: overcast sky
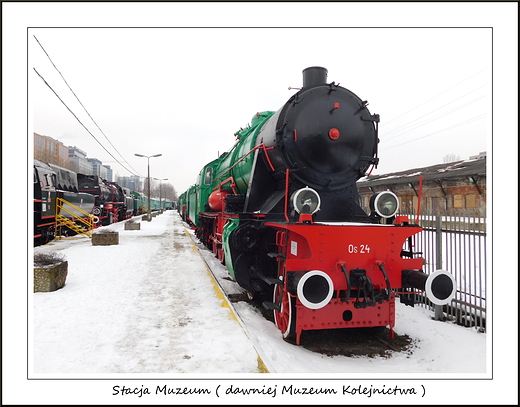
(183,92)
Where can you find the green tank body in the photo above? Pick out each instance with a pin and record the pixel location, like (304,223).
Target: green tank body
(230,172)
(237,164)
(192,202)
(205,182)
(234,166)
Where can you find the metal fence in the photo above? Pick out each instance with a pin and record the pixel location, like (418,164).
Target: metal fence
(456,243)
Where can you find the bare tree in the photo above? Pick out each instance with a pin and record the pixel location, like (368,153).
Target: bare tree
(165,190)
(169,192)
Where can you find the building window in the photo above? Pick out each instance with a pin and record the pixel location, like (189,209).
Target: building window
(457,201)
(406,204)
(471,201)
(434,204)
(39,142)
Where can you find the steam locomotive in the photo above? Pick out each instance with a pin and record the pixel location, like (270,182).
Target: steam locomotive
(281,210)
(81,197)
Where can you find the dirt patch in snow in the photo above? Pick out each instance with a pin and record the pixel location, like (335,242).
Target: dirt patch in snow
(352,342)
(356,342)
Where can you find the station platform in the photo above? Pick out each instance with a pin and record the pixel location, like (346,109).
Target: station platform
(146,305)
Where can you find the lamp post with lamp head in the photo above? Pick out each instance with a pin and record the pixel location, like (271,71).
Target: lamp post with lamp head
(149,206)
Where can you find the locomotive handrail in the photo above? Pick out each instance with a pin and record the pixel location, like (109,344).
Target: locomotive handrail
(347,279)
(381,265)
(262,145)
(233,184)
(286,203)
(60,202)
(266,155)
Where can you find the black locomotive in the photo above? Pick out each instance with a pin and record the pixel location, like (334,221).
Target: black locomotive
(281,210)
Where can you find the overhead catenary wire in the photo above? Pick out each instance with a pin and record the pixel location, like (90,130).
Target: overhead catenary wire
(440,131)
(134,172)
(85,127)
(438,116)
(440,94)
(424,122)
(428,117)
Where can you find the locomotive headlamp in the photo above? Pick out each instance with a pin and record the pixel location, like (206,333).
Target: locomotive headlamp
(306,200)
(385,204)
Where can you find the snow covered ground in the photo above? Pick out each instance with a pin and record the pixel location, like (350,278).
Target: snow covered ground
(440,348)
(130,308)
(147,313)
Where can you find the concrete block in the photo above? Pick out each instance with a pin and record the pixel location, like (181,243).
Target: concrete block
(105,239)
(132,225)
(50,277)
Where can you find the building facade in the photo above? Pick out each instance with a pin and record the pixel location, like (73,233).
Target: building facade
(132,182)
(98,168)
(110,173)
(80,163)
(49,150)
(458,188)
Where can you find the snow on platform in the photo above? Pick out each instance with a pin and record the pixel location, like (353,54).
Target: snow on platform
(147,305)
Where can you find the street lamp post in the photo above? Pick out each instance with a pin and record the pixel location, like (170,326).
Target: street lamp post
(149,206)
(160,191)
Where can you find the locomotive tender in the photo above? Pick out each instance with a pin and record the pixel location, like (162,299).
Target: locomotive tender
(281,211)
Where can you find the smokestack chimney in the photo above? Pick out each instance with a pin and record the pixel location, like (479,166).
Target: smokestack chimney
(314,76)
